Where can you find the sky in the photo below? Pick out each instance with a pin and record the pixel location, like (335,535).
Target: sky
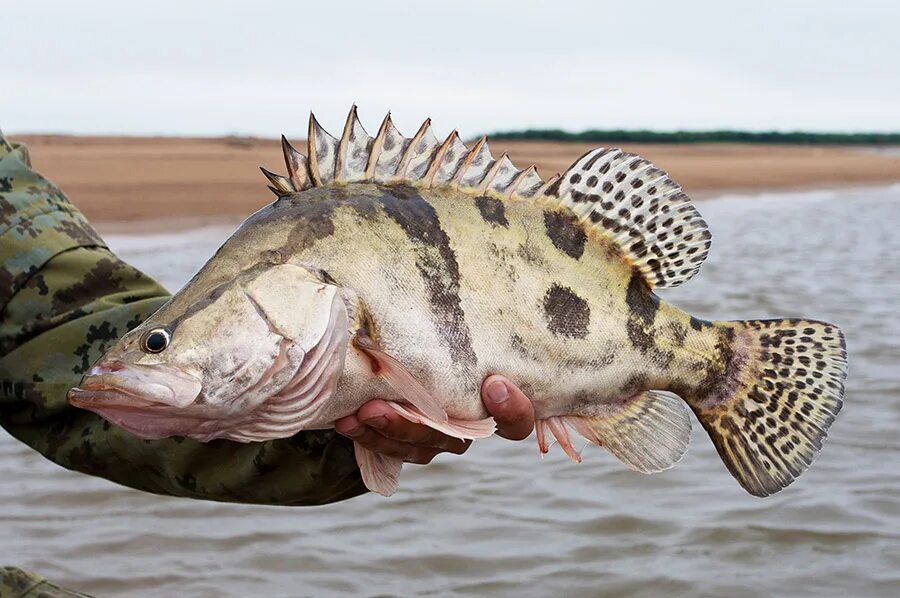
(258,67)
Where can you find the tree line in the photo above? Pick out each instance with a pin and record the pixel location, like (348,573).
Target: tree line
(721,136)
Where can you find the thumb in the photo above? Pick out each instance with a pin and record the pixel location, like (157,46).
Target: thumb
(509,406)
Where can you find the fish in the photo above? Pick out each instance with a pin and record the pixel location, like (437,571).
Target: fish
(409,269)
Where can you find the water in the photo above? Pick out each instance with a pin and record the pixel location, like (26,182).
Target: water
(501,521)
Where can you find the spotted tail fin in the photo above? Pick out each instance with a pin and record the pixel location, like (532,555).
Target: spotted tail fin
(770,412)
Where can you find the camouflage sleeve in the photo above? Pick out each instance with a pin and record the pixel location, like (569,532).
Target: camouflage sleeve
(64,297)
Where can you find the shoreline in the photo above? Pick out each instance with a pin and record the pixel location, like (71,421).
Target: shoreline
(179,183)
(177,224)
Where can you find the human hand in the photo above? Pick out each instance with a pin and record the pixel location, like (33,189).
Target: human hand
(379,428)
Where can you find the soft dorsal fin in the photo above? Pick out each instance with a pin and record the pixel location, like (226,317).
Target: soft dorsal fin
(641,209)
(619,196)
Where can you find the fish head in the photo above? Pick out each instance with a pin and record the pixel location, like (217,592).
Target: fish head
(203,367)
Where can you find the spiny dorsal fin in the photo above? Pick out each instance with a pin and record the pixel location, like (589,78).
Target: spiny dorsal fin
(618,195)
(390,157)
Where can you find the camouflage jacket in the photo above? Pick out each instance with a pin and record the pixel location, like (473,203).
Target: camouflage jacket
(64,297)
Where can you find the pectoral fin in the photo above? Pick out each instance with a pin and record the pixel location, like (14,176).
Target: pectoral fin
(379,472)
(463,429)
(401,380)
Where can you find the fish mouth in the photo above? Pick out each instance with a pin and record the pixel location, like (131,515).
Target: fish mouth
(148,401)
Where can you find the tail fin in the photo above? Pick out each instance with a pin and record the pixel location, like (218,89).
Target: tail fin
(770,413)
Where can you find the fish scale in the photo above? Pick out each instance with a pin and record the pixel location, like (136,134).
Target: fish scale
(410,269)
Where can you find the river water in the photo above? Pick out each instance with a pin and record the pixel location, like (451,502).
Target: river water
(501,521)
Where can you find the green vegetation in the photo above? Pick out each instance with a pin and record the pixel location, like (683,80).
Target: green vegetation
(725,136)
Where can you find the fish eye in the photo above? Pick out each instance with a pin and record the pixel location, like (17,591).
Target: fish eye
(156,340)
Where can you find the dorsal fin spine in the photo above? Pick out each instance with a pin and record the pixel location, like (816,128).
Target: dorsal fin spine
(377,146)
(514,185)
(311,150)
(438,158)
(411,148)
(282,184)
(341,158)
(486,181)
(296,163)
(467,162)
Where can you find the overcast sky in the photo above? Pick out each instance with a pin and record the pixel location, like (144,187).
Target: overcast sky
(258,67)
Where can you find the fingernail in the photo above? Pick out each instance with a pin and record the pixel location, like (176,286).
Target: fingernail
(497,392)
(379,423)
(354,432)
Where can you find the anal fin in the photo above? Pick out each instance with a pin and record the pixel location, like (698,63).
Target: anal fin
(648,432)
(379,472)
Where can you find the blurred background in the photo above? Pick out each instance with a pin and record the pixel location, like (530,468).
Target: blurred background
(153,118)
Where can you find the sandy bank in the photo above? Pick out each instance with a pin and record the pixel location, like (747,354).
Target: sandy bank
(119,179)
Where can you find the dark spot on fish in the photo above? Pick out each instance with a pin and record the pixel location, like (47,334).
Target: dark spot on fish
(203,302)
(553,189)
(590,163)
(642,302)
(579,197)
(273,257)
(326,277)
(492,210)
(565,232)
(567,314)
(634,384)
(698,324)
(311,224)
(640,338)
(529,254)
(679,333)
(436,262)
(722,373)
(518,345)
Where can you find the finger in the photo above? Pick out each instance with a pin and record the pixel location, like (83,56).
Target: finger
(422,455)
(380,416)
(509,406)
(348,426)
(351,427)
(375,442)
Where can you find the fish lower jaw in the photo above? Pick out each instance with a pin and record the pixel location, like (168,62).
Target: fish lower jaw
(147,425)
(95,397)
